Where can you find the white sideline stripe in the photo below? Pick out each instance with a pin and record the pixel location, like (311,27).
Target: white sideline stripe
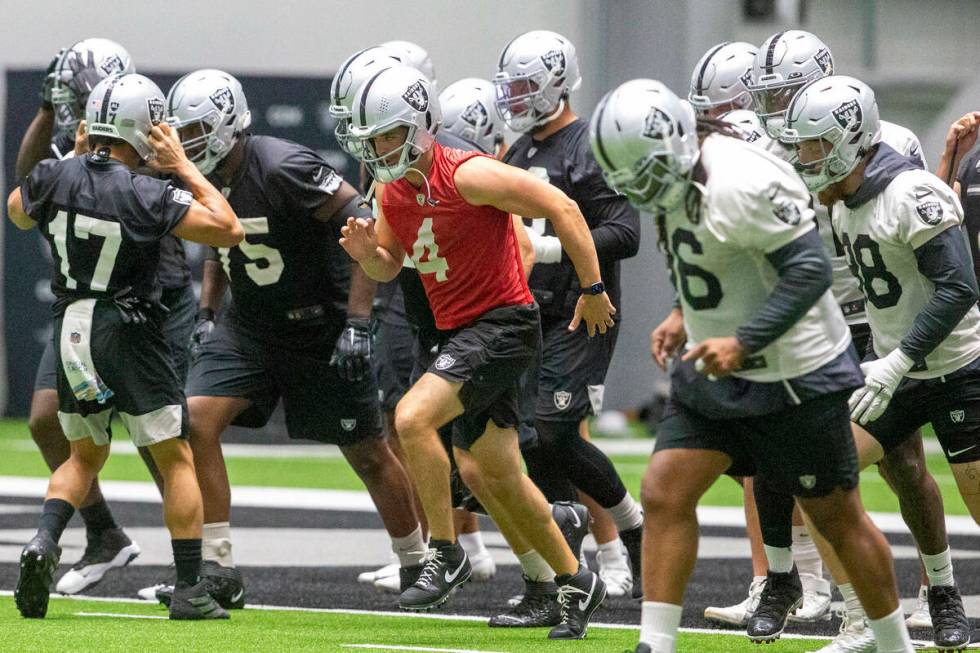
(388,647)
(119,615)
(360,501)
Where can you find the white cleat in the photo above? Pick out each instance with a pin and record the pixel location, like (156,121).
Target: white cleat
(111,551)
(484,568)
(614,570)
(920,617)
(388,579)
(368,577)
(854,637)
(738,614)
(816,600)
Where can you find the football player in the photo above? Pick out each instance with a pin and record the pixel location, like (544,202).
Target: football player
(536,73)
(962,157)
(450,210)
(765,366)
(719,78)
(112,353)
(898,226)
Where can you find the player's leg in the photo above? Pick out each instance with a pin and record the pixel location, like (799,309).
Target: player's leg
(967,477)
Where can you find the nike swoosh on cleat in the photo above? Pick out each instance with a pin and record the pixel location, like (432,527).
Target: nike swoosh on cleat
(578,522)
(583,604)
(238,596)
(953,454)
(451,577)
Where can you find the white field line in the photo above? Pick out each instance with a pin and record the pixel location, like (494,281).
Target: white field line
(119,615)
(388,647)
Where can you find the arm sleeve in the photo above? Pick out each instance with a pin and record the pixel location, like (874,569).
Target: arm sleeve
(304,180)
(157,208)
(804,276)
(945,261)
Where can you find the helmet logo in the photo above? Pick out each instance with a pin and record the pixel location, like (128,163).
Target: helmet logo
(848,115)
(155,107)
(746,77)
(416,96)
(111,113)
(112,65)
(825,61)
(657,125)
(554,61)
(476,114)
(223,99)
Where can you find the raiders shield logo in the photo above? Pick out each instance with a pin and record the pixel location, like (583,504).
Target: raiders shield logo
(348,424)
(848,115)
(746,77)
(785,210)
(808,481)
(554,61)
(223,99)
(110,115)
(562,399)
(76,338)
(824,60)
(957,416)
(416,96)
(476,114)
(181,196)
(930,212)
(444,362)
(155,107)
(112,65)
(657,125)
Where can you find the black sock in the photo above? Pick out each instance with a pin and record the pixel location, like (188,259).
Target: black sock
(775,507)
(98,517)
(55,516)
(187,559)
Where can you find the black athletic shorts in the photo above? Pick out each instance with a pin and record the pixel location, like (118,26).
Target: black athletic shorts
(177,327)
(319,405)
(950,403)
(807,450)
(861,337)
(488,357)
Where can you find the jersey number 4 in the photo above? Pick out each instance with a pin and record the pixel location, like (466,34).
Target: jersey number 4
(266,264)
(425,242)
(85,228)
(865,261)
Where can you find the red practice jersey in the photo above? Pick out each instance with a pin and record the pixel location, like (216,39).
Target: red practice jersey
(467,255)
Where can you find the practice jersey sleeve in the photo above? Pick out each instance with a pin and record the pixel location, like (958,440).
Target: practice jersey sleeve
(37,188)
(155,208)
(304,181)
(925,210)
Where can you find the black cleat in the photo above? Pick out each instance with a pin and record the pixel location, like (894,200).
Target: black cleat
(409,575)
(538,607)
(439,578)
(224,584)
(781,596)
(573,522)
(579,597)
(38,562)
(633,541)
(164,594)
(641,648)
(950,627)
(193,603)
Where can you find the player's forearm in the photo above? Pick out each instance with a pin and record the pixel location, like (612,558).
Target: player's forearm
(382,266)
(361,295)
(209,196)
(214,284)
(576,240)
(35,146)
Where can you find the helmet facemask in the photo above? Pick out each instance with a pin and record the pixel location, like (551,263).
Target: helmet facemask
(829,168)
(521,101)
(201,142)
(406,154)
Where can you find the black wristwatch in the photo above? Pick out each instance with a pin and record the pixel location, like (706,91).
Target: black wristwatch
(595,289)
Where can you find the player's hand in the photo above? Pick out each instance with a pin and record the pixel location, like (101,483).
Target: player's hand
(81,139)
(717,356)
(596,311)
(354,348)
(359,239)
(50,77)
(668,338)
(963,132)
(202,331)
(168,152)
(85,76)
(881,379)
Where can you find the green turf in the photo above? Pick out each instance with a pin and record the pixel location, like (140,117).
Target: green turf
(65,629)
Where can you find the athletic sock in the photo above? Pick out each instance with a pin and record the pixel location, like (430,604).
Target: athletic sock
(217,543)
(939,568)
(658,626)
(410,549)
(187,559)
(98,518)
(852,604)
(780,559)
(612,551)
(54,517)
(535,568)
(805,553)
(891,634)
(472,543)
(626,514)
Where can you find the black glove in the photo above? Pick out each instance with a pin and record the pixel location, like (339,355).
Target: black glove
(85,75)
(352,353)
(49,80)
(202,330)
(132,309)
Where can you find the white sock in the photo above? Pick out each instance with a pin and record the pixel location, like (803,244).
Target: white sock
(535,567)
(780,559)
(472,543)
(409,549)
(939,568)
(627,514)
(852,604)
(658,626)
(891,633)
(612,550)
(805,553)
(216,543)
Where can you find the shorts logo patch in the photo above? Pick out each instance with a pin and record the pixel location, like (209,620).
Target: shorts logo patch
(75,337)
(957,416)
(348,424)
(930,212)
(848,115)
(562,399)
(808,481)
(416,96)
(657,125)
(444,362)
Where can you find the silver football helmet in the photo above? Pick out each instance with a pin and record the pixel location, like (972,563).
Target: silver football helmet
(78,70)
(125,107)
(395,97)
(209,110)
(414,55)
(468,112)
(535,73)
(645,140)
(840,113)
(749,126)
(356,69)
(719,78)
(784,64)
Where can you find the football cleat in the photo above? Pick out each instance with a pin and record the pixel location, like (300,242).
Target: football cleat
(578,598)
(400,581)
(193,603)
(484,567)
(633,541)
(615,572)
(781,596)
(371,577)
(573,522)
(854,637)
(538,607)
(950,627)
(439,578)
(816,600)
(920,617)
(38,562)
(109,549)
(738,614)
(224,584)
(150,593)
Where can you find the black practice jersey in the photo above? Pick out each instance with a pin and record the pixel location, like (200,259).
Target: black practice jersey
(969,178)
(290,271)
(104,223)
(565,160)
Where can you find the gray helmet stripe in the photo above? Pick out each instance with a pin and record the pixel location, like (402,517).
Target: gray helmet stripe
(704,66)
(771,52)
(104,111)
(364,94)
(503,53)
(350,60)
(598,134)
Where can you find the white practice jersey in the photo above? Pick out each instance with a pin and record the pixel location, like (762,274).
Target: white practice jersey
(880,238)
(754,204)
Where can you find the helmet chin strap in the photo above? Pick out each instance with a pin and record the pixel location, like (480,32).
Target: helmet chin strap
(542,122)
